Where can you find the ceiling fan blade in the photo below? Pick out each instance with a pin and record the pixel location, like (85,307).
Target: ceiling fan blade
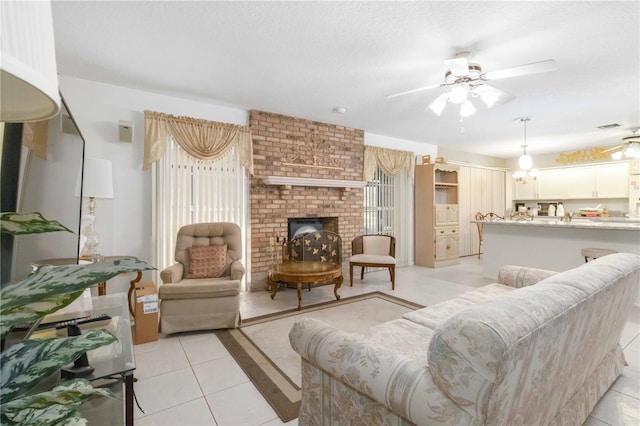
(534,68)
(504,96)
(612,149)
(420,89)
(458,66)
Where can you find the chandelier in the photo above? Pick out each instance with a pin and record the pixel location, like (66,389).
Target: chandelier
(525,162)
(630,147)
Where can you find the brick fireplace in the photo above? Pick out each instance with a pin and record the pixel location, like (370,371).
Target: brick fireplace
(296,148)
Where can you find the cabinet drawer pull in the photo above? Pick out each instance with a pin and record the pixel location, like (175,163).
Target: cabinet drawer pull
(454,231)
(442,232)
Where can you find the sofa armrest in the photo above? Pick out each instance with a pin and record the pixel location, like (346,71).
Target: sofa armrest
(236,270)
(522,276)
(172,274)
(395,381)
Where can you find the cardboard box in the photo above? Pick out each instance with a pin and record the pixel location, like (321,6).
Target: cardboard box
(146,313)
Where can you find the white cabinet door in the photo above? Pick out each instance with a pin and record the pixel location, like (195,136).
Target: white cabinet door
(551,185)
(612,180)
(580,182)
(525,190)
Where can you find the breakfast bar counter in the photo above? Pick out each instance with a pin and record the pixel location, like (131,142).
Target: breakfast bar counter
(551,244)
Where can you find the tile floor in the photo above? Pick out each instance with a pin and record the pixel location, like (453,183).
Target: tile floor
(190,378)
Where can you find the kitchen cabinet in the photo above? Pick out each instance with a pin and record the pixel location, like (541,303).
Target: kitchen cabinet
(436,215)
(612,180)
(580,182)
(527,190)
(599,181)
(551,184)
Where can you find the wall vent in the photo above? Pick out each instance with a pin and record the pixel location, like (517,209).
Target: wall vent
(609,126)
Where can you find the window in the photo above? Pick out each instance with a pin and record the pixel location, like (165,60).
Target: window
(378,204)
(189,190)
(388,209)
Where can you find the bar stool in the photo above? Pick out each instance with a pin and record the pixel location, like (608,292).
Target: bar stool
(594,253)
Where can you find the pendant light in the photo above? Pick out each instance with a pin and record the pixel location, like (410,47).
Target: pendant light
(525,161)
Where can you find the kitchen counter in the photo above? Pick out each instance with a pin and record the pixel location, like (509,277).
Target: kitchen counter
(591,223)
(552,244)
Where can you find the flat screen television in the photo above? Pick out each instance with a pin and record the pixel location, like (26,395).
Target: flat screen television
(33,184)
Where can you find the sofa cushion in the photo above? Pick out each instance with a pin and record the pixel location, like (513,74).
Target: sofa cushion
(403,337)
(432,316)
(207,261)
(372,258)
(200,289)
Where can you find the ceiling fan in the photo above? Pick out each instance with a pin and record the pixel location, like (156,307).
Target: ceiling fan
(630,146)
(464,78)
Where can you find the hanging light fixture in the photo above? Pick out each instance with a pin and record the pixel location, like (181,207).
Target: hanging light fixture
(525,162)
(630,147)
(462,94)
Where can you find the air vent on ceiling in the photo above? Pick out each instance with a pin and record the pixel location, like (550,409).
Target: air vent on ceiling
(609,126)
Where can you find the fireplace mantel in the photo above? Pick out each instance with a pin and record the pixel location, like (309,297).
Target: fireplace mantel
(323,183)
(285,183)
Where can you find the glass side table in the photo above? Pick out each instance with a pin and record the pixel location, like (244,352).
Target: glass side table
(113,364)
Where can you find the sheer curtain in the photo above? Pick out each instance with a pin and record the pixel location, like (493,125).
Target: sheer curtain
(201,174)
(189,190)
(388,197)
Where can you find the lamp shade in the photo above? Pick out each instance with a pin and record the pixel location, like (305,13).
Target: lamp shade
(28,71)
(97,180)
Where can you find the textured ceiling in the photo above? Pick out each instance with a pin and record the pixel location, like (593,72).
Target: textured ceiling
(305,58)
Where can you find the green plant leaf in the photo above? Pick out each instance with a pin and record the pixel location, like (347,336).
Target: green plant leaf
(28,223)
(57,406)
(26,363)
(53,287)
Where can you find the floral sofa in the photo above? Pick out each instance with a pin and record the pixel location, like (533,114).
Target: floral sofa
(536,348)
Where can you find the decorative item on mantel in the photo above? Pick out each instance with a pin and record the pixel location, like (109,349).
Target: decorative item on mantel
(307,152)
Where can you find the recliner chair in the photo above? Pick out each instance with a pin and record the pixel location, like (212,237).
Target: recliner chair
(202,290)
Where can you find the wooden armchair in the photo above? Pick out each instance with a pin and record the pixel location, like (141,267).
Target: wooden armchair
(373,251)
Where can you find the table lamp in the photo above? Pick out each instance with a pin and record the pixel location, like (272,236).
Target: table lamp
(97,182)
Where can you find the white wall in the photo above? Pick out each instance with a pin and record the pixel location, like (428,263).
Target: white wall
(418,148)
(124,223)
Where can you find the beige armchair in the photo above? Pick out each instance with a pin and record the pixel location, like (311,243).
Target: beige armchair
(202,290)
(373,251)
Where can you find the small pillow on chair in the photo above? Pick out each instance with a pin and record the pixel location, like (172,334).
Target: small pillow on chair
(207,261)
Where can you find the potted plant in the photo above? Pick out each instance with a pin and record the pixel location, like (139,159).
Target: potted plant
(28,363)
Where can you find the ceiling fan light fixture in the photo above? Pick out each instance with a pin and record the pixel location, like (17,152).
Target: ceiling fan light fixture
(489,96)
(617,155)
(437,106)
(458,94)
(467,109)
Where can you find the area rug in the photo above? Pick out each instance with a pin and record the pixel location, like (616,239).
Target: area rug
(261,346)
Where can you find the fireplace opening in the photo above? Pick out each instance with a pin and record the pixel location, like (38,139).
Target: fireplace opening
(303,225)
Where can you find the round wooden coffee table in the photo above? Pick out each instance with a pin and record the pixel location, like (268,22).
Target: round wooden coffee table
(312,273)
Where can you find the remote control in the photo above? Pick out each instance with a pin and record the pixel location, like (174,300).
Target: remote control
(83,320)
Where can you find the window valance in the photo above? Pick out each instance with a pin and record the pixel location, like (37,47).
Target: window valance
(390,161)
(203,139)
